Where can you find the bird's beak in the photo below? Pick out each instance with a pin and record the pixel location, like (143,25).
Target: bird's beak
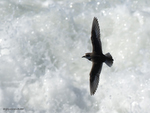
(83,56)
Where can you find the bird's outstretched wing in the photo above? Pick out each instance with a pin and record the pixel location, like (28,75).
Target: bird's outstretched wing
(94,76)
(95,37)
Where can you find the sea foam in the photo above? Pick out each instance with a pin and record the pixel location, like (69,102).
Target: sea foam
(41,45)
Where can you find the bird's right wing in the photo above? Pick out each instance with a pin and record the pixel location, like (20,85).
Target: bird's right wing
(94,76)
(95,37)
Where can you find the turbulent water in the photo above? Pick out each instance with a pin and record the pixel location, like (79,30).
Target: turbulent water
(41,45)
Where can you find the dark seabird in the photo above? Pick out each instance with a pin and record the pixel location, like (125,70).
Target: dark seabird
(97,57)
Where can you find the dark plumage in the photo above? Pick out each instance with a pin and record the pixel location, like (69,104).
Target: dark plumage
(97,57)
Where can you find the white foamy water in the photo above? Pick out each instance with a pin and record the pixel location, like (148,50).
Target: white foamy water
(41,45)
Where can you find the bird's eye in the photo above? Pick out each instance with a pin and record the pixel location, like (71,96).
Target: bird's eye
(88,55)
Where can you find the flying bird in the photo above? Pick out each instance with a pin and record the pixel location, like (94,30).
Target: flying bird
(97,57)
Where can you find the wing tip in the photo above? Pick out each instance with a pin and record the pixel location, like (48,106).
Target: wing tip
(92,90)
(92,93)
(94,85)
(95,27)
(95,20)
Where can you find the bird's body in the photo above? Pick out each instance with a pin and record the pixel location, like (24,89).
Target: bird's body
(97,57)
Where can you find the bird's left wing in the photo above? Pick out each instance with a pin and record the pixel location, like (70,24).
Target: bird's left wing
(94,76)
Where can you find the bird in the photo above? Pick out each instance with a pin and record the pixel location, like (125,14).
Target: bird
(97,57)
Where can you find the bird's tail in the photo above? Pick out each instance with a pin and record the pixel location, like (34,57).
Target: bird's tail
(109,59)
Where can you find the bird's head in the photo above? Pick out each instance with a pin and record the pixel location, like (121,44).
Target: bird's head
(88,56)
